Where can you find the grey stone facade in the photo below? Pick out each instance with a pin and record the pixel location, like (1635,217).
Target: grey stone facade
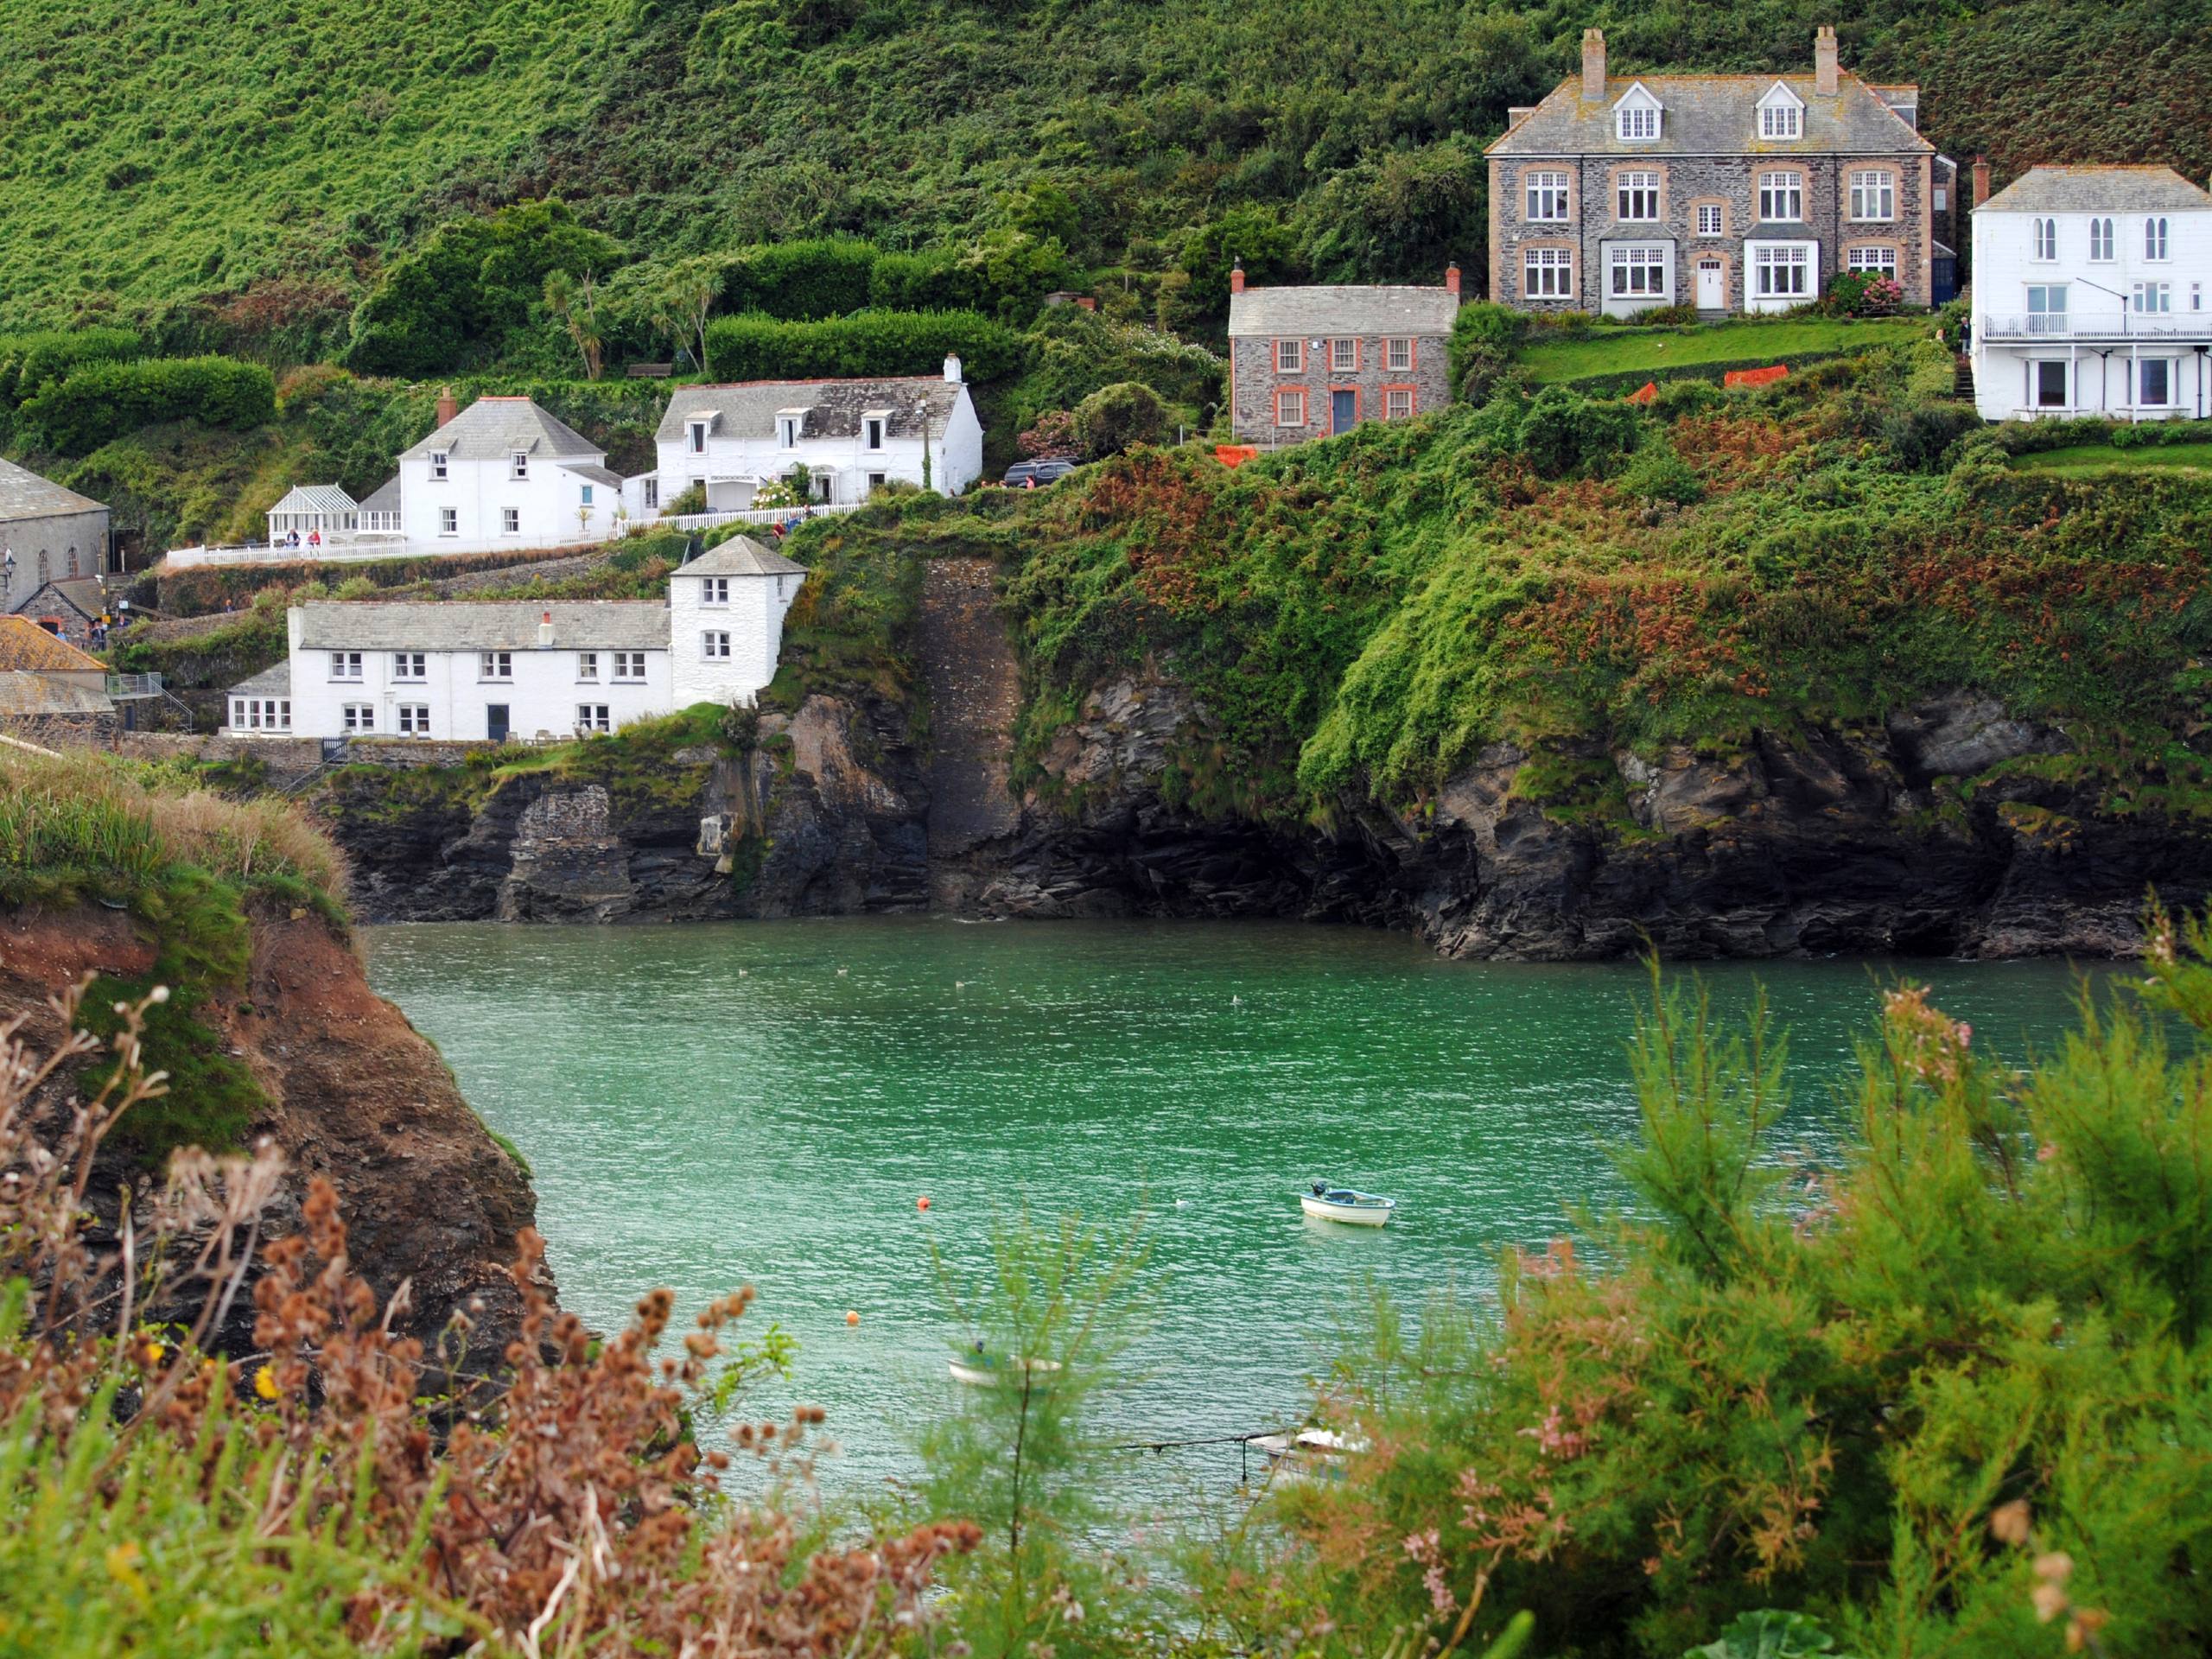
(55,533)
(1346,368)
(1706,163)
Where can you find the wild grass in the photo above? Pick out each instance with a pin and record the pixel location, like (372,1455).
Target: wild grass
(1628,351)
(2083,459)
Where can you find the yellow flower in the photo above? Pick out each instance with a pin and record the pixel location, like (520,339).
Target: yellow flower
(265,1383)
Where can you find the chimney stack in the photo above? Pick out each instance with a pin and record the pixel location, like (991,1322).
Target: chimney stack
(446,408)
(1981,180)
(1593,65)
(1451,279)
(1237,277)
(545,630)
(1824,60)
(951,370)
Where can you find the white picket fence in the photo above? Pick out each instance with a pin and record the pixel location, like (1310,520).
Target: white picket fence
(185,558)
(754,515)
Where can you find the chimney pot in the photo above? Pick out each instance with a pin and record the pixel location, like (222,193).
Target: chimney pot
(1981,180)
(1452,279)
(1593,65)
(1824,60)
(545,628)
(447,407)
(1237,277)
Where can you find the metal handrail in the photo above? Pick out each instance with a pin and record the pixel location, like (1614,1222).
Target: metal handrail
(2077,325)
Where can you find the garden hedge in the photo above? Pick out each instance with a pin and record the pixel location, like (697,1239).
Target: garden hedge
(102,401)
(867,343)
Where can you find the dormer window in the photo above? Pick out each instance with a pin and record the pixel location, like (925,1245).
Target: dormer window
(1781,114)
(1636,118)
(789,423)
(518,464)
(873,425)
(437,463)
(698,432)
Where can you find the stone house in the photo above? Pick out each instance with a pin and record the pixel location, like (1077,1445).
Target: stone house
(1310,362)
(1728,193)
(47,534)
(69,607)
(51,693)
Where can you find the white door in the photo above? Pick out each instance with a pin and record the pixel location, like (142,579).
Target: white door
(1712,294)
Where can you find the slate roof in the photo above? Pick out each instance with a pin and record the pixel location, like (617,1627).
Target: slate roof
(24,494)
(81,593)
(1713,115)
(495,428)
(834,408)
(2097,190)
(510,625)
(740,555)
(270,683)
(326,499)
(1349,308)
(384,498)
(24,693)
(594,471)
(26,647)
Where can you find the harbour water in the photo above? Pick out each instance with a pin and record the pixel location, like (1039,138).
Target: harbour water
(763,1103)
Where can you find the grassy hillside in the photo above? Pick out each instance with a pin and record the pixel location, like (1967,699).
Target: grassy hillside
(243,173)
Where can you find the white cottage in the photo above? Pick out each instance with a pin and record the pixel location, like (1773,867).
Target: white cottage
(847,436)
(503,472)
(523,668)
(2089,293)
(313,516)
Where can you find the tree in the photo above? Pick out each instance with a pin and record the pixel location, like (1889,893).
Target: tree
(683,301)
(1254,236)
(576,301)
(1114,417)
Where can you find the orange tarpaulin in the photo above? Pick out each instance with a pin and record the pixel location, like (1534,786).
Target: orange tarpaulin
(1236,454)
(1754,377)
(1644,393)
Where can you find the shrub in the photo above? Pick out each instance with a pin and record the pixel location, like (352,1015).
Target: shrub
(1563,431)
(1860,294)
(1922,434)
(1658,475)
(1052,436)
(693,498)
(1484,337)
(1073,351)
(800,280)
(1253,236)
(1113,418)
(29,362)
(104,400)
(864,344)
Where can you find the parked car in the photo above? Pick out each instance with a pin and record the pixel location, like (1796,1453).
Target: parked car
(1035,474)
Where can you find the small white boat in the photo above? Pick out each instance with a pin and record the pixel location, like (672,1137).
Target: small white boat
(979,1370)
(1309,1453)
(1328,1203)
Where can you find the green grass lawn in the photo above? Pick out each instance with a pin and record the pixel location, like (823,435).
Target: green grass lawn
(1608,352)
(2103,458)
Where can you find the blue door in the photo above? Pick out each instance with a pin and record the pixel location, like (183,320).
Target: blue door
(1343,408)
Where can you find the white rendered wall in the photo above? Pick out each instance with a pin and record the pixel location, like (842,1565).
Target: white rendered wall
(542,697)
(753,619)
(547,504)
(956,461)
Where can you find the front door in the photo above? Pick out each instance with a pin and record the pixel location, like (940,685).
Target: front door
(495,722)
(1344,410)
(1712,294)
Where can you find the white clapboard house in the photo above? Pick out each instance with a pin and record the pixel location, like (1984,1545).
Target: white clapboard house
(526,669)
(847,437)
(2090,290)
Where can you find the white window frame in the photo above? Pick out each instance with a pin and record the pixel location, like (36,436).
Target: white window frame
(584,499)
(439,469)
(1712,219)
(1391,397)
(410,666)
(2172,368)
(1290,356)
(2151,299)
(495,666)
(345,665)
(873,430)
(1344,357)
(594,717)
(1771,258)
(1626,262)
(1636,118)
(357,716)
(448,521)
(2104,239)
(696,432)
(587,667)
(1629,190)
(2036,365)
(1873,196)
(2157,241)
(2045,232)
(1782,188)
(787,428)
(714,646)
(629,667)
(713,590)
(510,521)
(1547,273)
(1282,396)
(414,719)
(1398,356)
(1782,121)
(1881,262)
(518,463)
(653,491)
(1544,196)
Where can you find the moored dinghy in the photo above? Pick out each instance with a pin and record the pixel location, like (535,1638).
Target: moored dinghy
(979,1369)
(1343,1204)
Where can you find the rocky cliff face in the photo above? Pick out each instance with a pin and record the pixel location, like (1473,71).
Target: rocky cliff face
(431,1201)
(1918,837)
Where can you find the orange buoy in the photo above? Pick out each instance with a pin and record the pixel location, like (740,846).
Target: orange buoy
(851,1317)
(921,1204)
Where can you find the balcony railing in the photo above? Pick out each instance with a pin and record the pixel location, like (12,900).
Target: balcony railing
(2099,325)
(134,685)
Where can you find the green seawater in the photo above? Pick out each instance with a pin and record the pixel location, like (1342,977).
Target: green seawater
(705,1107)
